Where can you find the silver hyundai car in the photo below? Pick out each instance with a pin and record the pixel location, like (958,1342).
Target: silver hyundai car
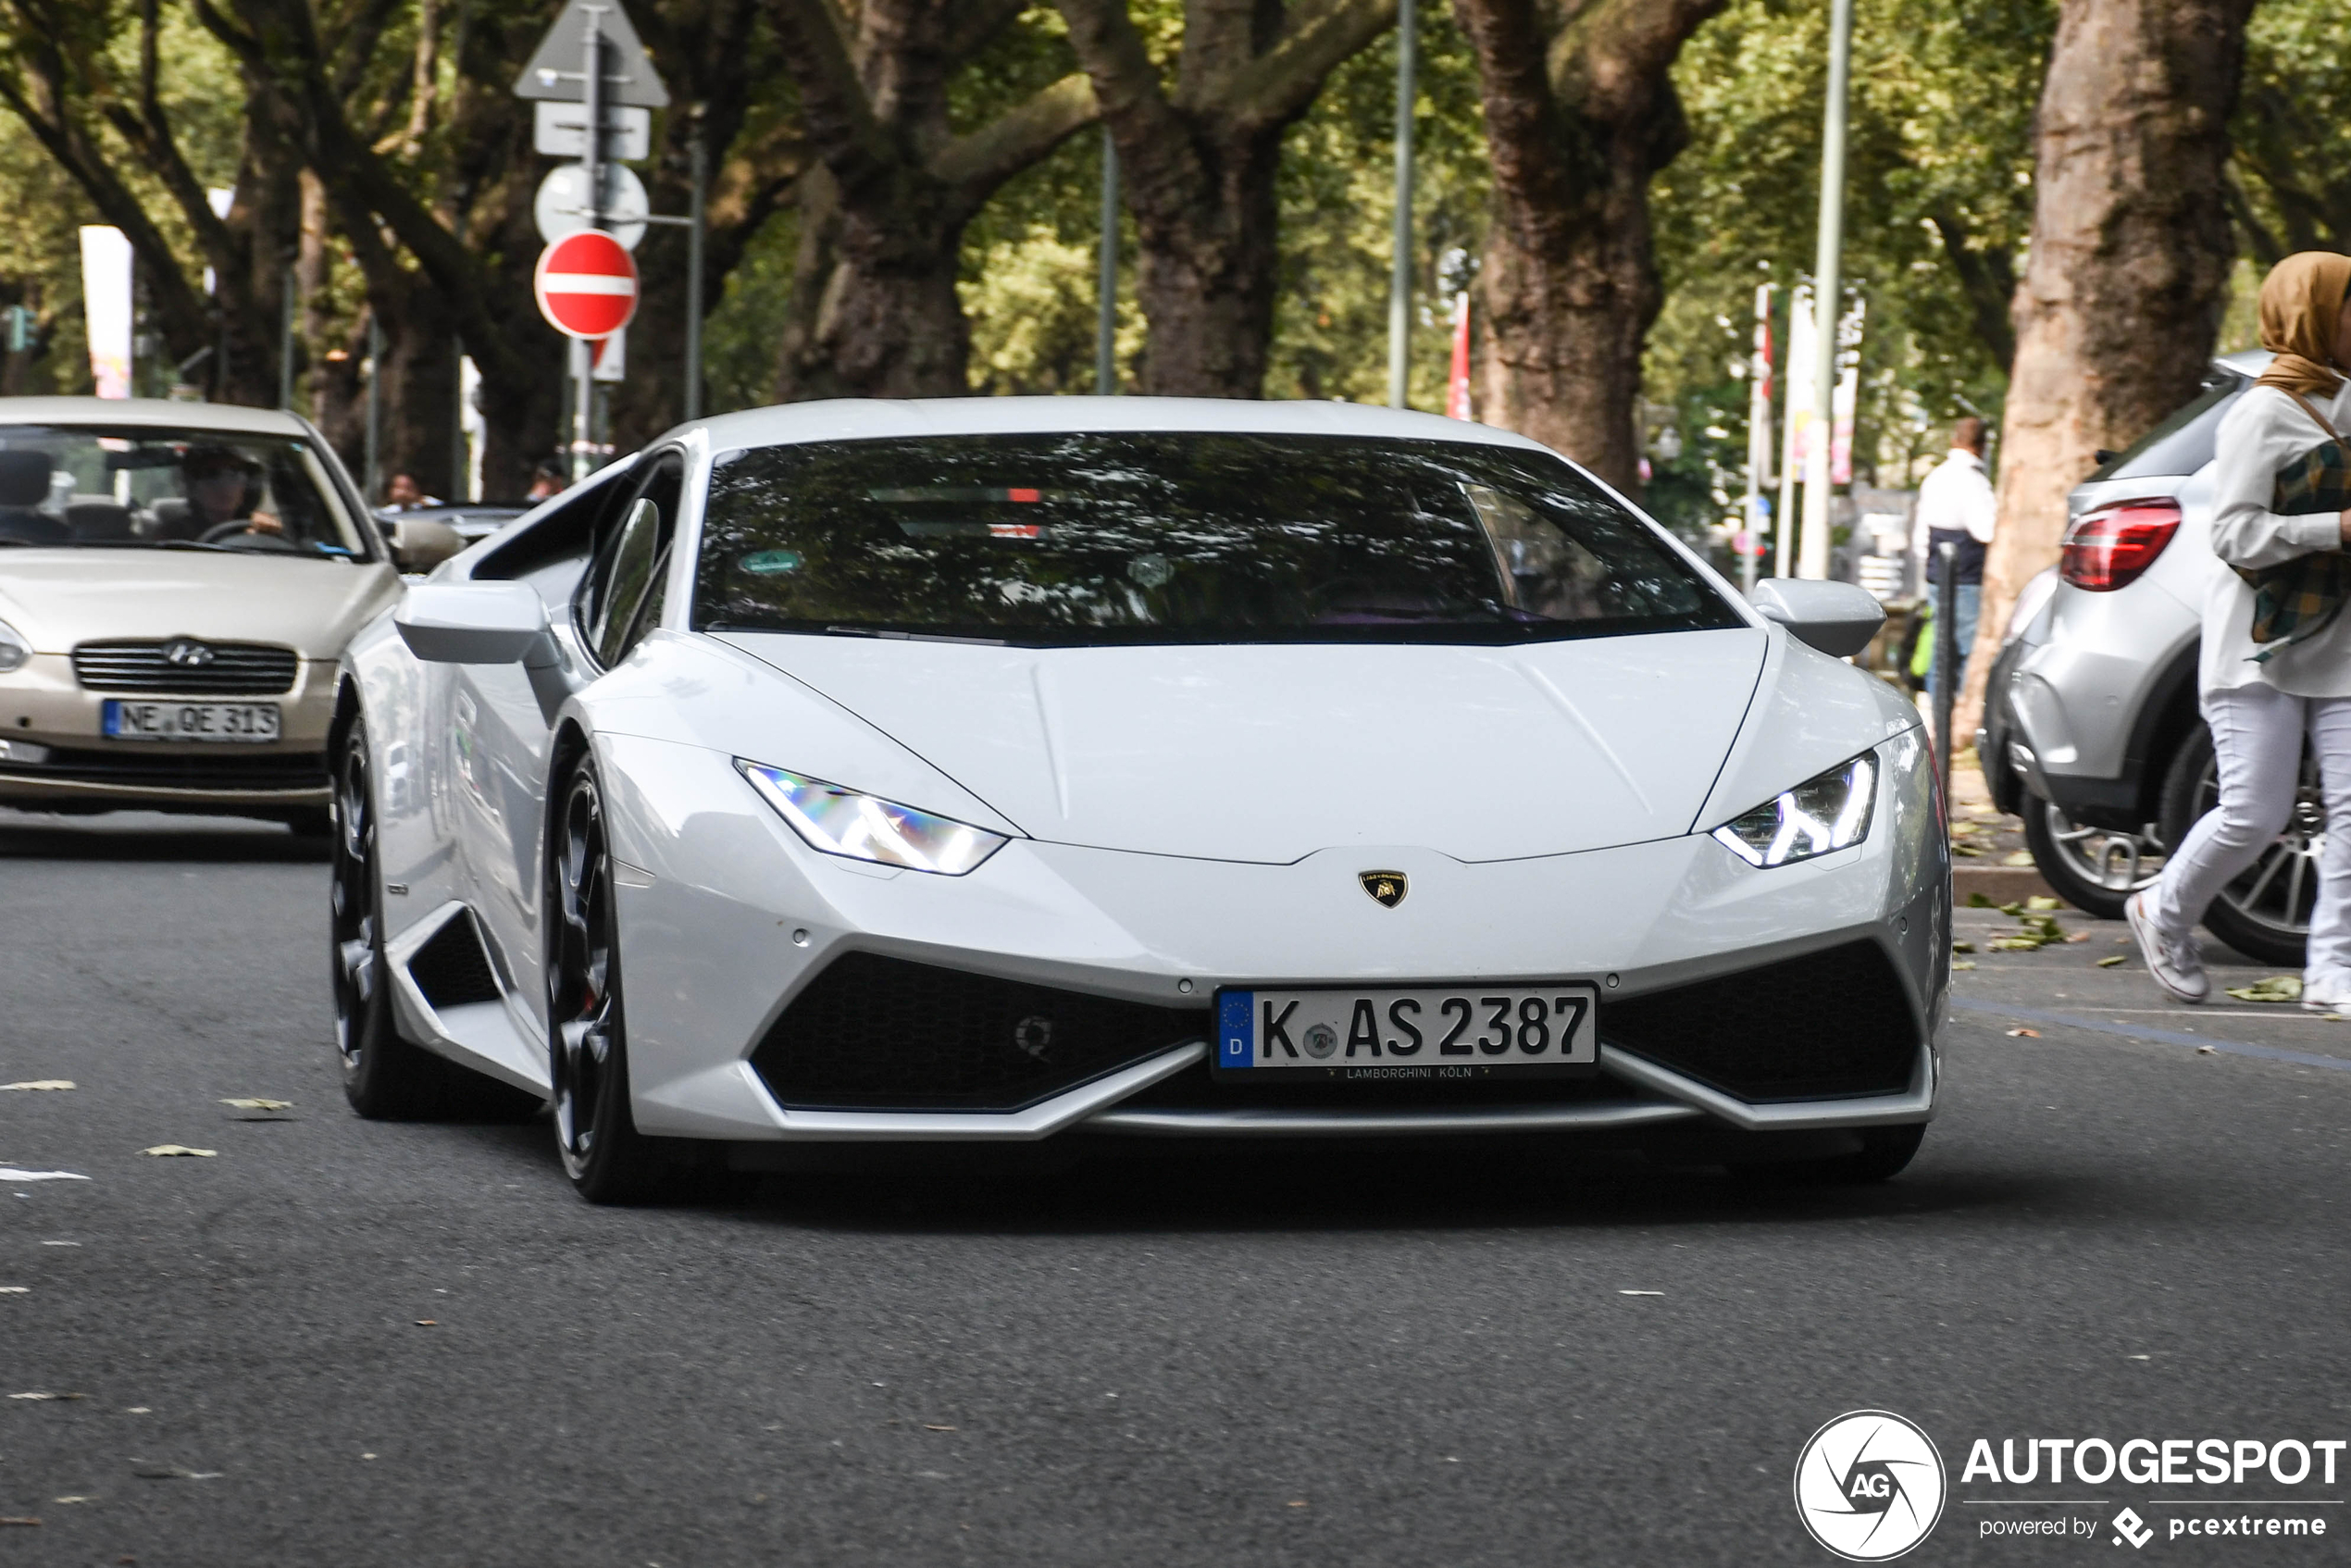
(2091,731)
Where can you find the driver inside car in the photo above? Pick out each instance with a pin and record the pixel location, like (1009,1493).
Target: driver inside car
(223,487)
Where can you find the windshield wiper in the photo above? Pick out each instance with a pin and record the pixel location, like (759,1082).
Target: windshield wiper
(893,635)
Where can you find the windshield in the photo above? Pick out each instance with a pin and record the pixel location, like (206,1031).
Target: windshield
(133,487)
(1181,538)
(2183,442)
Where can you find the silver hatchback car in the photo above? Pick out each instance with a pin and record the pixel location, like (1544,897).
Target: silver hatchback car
(2091,731)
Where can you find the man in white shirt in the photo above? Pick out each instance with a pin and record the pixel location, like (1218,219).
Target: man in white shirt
(1957,507)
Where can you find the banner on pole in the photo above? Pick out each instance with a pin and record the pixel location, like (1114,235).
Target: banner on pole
(106,307)
(1457,387)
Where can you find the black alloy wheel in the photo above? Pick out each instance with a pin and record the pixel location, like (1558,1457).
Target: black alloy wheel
(383,1075)
(2095,869)
(2264,912)
(607,1158)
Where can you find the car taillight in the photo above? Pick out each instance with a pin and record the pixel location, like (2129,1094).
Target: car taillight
(2108,548)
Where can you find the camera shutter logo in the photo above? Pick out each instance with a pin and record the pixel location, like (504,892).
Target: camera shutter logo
(1869,1485)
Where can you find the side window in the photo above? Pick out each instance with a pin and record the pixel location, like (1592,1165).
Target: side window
(620,599)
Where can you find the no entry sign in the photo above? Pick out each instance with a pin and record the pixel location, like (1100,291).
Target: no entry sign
(586,284)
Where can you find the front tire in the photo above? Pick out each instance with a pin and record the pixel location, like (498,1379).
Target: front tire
(607,1158)
(385,1076)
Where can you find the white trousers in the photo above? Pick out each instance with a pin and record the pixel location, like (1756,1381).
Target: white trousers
(2256,740)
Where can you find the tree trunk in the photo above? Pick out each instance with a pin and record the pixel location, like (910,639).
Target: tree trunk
(1207,259)
(2127,273)
(1580,115)
(1198,165)
(877,312)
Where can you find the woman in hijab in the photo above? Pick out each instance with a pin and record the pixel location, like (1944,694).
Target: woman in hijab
(2260,698)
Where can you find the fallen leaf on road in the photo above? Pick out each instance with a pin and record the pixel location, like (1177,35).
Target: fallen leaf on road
(2277,988)
(1962,947)
(38,1084)
(929,1427)
(147,1470)
(2024,1034)
(39,1396)
(76,1499)
(168,1150)
(9,1173)
(16,1290)
(1964,963)
(2207,1051)
(1977,901)
(1297,1502)
(17,1519)
(260,1104)
(1968,851)
(1640,1292)
(2039,901)
(2110,961)
(2019,857)
(428,1323)
(2079,937)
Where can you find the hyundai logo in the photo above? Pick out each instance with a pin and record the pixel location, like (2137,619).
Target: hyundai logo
(186,652)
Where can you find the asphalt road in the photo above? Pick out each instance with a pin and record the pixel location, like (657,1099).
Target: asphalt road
(340,1342)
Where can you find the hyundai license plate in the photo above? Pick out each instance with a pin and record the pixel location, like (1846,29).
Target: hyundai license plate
(1432,1034)
(253,723)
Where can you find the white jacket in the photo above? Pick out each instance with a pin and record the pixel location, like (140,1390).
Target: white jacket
(2264,433)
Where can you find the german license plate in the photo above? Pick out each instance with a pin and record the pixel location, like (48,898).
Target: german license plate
(248,722)
(1437,1034)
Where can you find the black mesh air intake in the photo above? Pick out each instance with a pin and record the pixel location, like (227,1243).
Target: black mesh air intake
(874,1033)
(1826,1025)
(452,969)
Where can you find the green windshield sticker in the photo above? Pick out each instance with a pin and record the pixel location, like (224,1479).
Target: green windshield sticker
(769,563)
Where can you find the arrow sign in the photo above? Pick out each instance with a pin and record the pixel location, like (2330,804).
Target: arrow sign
(586,284)
(554,71)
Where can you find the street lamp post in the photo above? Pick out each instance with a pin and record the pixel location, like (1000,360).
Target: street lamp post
(1813,559)
(1400,283)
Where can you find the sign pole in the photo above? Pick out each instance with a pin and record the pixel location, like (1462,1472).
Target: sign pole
(697,153)
(1812,555)
(583,360)
(1400,281)
(1106,277)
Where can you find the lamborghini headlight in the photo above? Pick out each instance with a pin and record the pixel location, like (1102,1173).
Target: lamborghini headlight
(13,649)
(845,822)
(1829,811)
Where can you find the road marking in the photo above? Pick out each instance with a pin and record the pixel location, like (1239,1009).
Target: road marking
(2161,1037)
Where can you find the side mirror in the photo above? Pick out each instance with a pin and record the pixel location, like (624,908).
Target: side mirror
(1836,617)
(475,623)
(418,545)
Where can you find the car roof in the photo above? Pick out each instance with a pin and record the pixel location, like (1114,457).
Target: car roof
(2246,361)
(871,418)
(223,417)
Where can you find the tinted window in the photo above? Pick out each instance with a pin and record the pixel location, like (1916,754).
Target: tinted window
(1181,538)
(2183,442)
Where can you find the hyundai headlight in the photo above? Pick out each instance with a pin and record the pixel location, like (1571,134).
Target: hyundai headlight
(861,826)
(13,649)
(1829,811)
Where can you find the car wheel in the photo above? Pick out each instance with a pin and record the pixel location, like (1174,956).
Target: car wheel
(312,822)
(2264,912)
(383,1075)
(2095,869)
(607,1159)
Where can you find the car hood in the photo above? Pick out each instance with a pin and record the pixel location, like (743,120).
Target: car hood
(1271,752)
(59,598)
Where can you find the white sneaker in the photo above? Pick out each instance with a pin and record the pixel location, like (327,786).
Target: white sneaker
(2330,992)
(2177,966)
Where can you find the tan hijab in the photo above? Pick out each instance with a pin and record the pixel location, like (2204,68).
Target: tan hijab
(2302,301)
